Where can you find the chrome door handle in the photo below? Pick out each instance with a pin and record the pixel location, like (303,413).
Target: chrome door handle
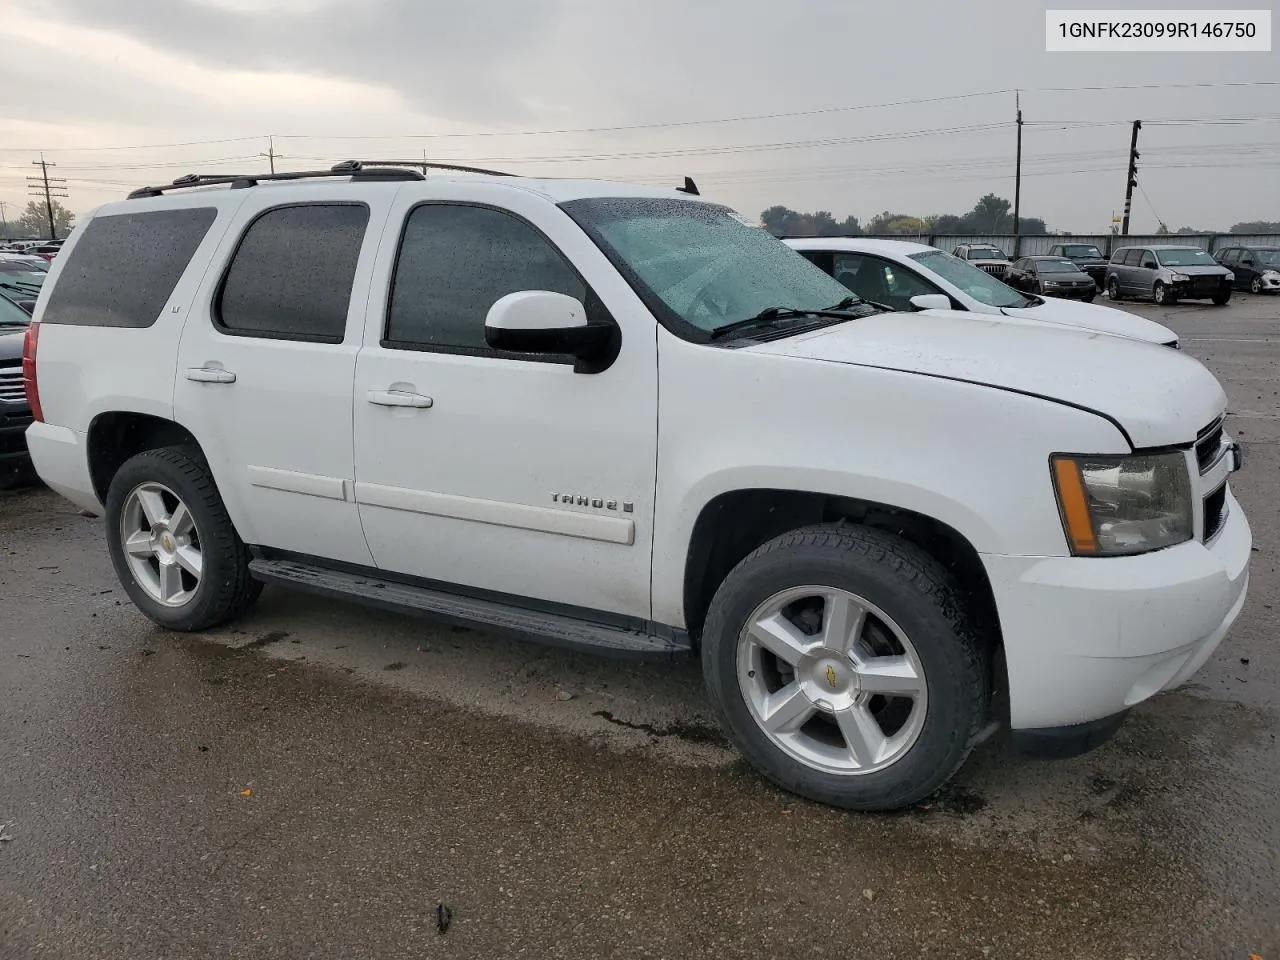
(210,375)
(398,398)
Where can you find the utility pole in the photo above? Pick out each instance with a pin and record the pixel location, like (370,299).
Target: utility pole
(1017,182)
(271,154)
(51,187)
(1132,181)
(4,221)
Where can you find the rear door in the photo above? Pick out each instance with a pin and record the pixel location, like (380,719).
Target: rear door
(267,359)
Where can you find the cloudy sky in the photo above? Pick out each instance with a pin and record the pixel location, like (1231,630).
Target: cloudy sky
(852,106)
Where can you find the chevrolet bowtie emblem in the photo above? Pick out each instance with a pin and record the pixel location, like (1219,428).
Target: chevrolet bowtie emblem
(831,675)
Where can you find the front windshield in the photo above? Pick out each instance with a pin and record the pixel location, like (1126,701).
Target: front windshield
(1270,258)
(1189,257)
(12,315)
(985,255)
(1056,266)
(974,281)
(705,264)
(1081,250)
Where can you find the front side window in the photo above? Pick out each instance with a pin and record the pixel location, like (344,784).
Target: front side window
(1148,261)
(700,265)
(291,276)
(124,267)
(880,281)
(455,263)
(1190,257)
(974,281)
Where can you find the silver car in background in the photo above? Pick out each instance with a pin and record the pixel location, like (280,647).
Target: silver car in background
(1168,274)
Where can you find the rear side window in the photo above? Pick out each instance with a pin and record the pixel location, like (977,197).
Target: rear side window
(123,268)
(1118,256)
(456,262)
(291,276)
(1230,256)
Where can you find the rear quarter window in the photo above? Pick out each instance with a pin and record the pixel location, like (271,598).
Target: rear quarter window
(123,268)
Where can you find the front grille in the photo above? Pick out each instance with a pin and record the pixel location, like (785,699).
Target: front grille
(993,268)
(1208,445)
(1206,286)
(1215,512)
(11,384)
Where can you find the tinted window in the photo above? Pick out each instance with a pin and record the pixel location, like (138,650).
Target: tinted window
(291,276)
(880,281)
(456,262)
(123,268)
(1228,256)
(1133,258)
(1117,256)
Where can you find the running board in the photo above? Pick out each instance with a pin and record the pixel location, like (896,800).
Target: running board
(550,628)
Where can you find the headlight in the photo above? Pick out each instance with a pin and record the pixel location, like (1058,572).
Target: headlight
(1270,275)
(1122,505)
(1179,278)
(1229,277)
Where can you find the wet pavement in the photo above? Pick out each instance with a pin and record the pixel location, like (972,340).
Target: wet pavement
(316,779)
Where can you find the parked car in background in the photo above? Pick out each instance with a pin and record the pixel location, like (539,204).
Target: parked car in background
(21,278)
(1168,274)
(1256,269)
(15,412)
(1052,277)
(986,256)
(46,250)
(1086,256)
(895,272)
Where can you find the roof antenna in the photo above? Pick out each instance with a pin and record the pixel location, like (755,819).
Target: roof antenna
(689,187)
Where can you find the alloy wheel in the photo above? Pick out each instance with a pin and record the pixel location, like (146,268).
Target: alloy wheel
(161,544)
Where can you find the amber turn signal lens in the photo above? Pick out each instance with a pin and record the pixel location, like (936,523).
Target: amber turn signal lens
(1075,507)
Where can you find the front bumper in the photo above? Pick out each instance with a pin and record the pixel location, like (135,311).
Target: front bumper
(1200,289)
(1087,638)
(1270,284)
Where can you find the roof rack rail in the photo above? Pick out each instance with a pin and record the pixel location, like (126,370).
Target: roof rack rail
(356,169)
(425,165)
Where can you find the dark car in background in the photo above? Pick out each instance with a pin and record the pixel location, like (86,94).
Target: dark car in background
(15,414)
(21,279)
(1256,269)
(1052,277)
(1086,256)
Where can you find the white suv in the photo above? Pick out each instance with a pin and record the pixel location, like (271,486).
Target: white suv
(625,419)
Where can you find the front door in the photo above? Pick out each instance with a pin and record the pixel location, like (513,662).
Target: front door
(496,472)
(267,359)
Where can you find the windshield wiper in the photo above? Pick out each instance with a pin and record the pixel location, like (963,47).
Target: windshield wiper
(770,317)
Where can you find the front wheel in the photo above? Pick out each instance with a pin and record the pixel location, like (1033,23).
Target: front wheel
(1163,295)
(1113,288)
(1221,299)
(1088,297)
(1255,285)
(172,543)
(844,667)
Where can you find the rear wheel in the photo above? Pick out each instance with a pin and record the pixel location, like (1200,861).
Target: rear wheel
(844,667)
(172,543)
(1113,288)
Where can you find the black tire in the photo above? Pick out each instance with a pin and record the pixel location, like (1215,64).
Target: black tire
(1163,295)
(1221,299)
(910,587)
(1255,285)
(1113,289)
(225,589)
(1088,297)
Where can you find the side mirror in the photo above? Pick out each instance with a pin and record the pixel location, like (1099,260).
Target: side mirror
(931,301)
(542,322)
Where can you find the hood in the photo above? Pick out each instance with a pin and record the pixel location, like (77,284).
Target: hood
(11,340)
(1205,271)
(1077,276)
(1091,316)
(1156,395)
